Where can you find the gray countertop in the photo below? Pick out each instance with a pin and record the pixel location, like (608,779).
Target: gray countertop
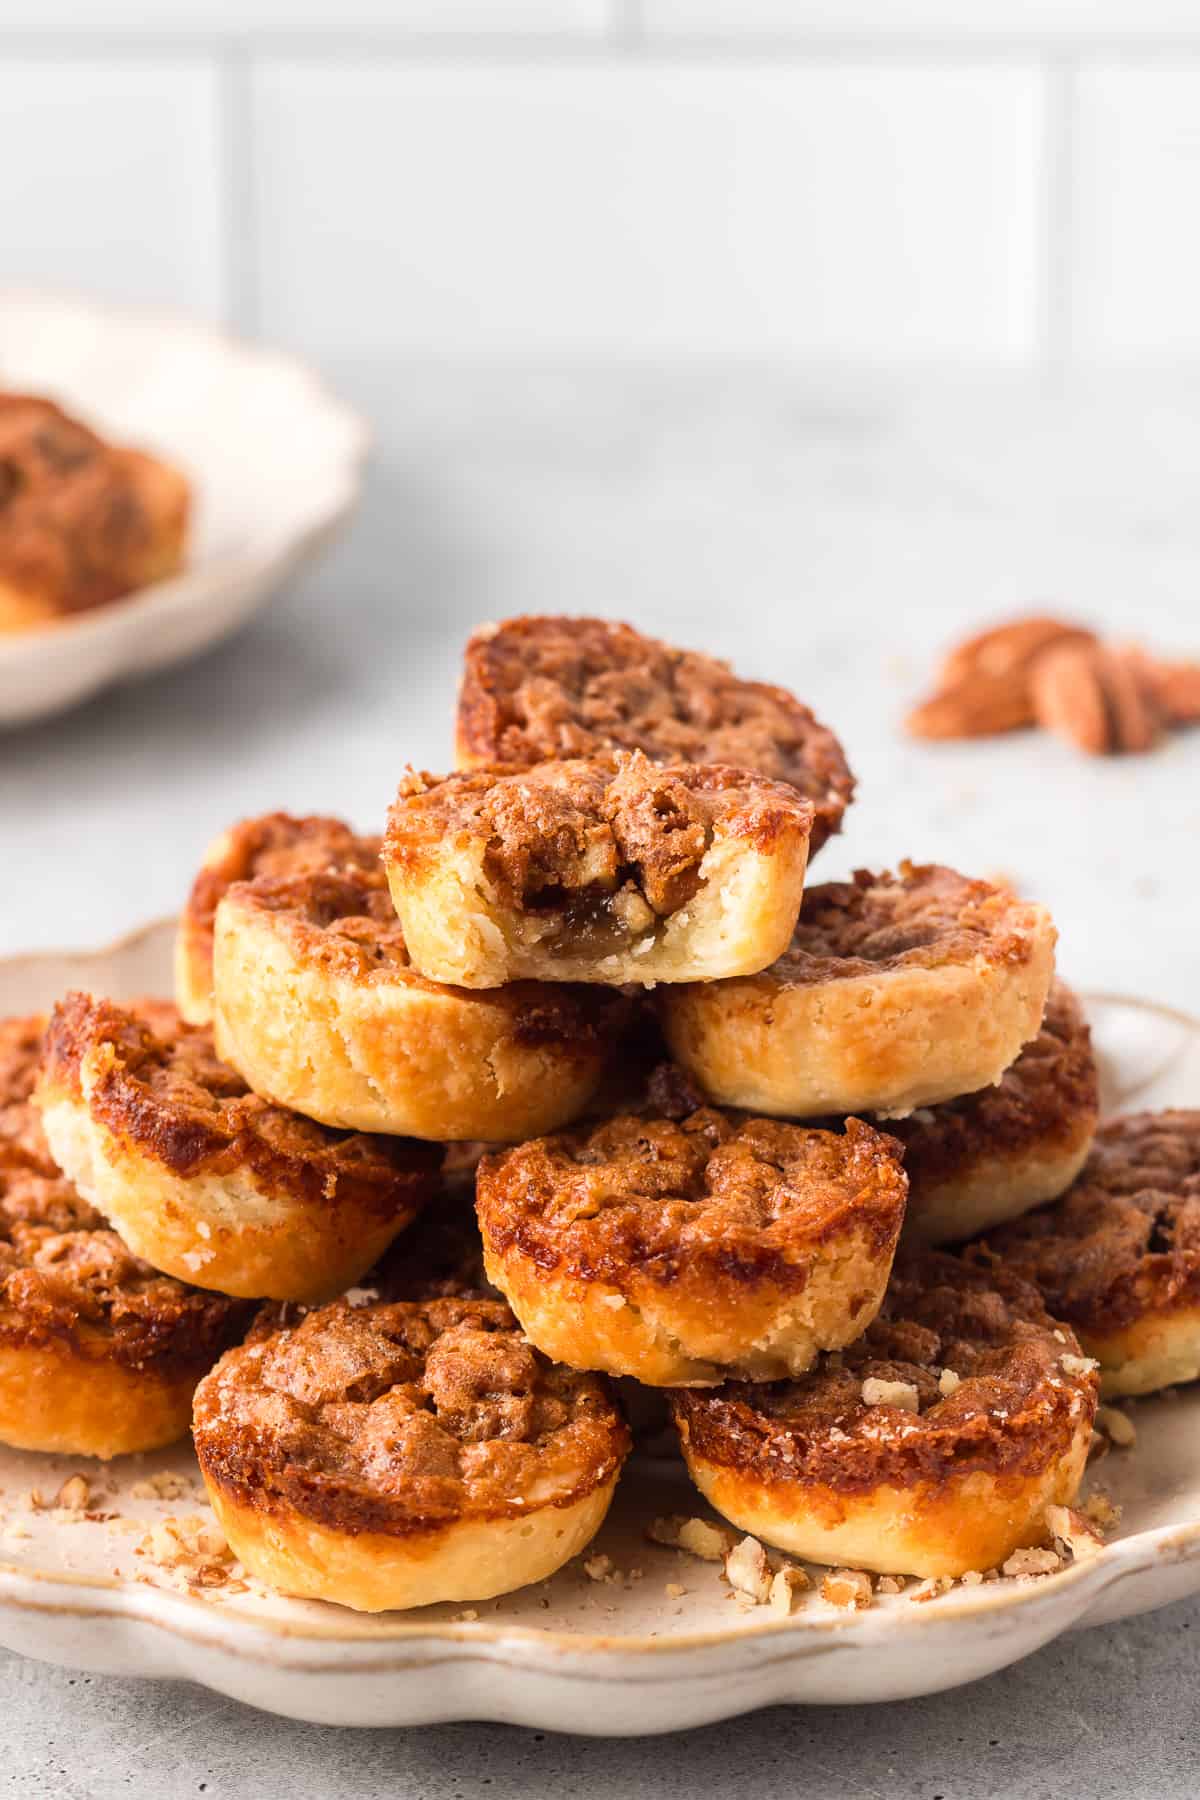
(826,533)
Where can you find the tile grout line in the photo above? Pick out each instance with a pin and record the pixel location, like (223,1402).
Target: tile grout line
(239,197)
(626,31)
(1057,277)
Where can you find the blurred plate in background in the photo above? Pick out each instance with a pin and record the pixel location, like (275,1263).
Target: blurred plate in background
(274,460)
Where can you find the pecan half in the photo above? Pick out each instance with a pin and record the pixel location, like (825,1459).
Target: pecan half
(1010,649)
(978,706)
(1175,687)
(1096,697)
(984,684)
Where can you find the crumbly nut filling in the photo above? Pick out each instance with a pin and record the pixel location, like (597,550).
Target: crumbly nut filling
(741,1192)
(160,1084)
(394,1415)
(1124,1241)
(64,1276)
(1014,1405)
(274,846)
(537,688)
(922,917)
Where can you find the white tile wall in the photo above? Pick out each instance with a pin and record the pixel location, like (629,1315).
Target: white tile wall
(113,179)
(973,20)
(649,209)
(1137,213)
(248,18)
(879,179)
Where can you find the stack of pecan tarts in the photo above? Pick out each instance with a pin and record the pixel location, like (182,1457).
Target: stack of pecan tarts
(572,1075)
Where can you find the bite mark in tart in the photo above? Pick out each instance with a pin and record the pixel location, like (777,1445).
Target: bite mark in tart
(896,991)
(82,522)
(541,688)
(682,1250)
(613,869)
(931,1446)
(1118,1256)
(388,1456)
(975,1163)
(318,1005)
(202,1177)
(274,844)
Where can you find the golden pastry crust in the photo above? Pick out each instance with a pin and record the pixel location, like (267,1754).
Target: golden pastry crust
(682,1250)
(897,991)
(395,1455)
(318,1005)
(975,1163)
(99,1353)
(274,844)
(1118,1256)
(202,1177)
(613,869)
(880,1460)
(82,523)
(534,689)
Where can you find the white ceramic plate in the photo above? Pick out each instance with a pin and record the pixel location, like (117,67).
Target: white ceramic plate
(605,1657)
(274,461)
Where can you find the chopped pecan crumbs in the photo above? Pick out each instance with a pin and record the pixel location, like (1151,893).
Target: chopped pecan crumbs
(1117,1426)
(1032,1561)
(1074,1535)
(1104,698)
(1077,1365)
(192,1544)
(849,1588)
(697,1536)
(747,1570)
(74,1494)
(674,1590)
(598,1568)
(786,1588)
(971,1578)
(877,1392)
(1101,1511)
(890,1584)
(165,1484)
(933,1589)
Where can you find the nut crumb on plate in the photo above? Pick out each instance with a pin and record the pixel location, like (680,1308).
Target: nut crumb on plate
(1117,1426)
(747,1570)
(786,1588)
(851,1588)
(1032,1560)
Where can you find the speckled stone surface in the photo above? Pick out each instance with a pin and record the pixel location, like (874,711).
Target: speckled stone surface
(830,535)
(1105,1714)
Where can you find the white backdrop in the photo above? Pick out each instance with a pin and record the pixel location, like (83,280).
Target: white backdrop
(866,180)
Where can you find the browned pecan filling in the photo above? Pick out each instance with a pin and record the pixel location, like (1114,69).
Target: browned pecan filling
(1125,1239)
(65,1276)
(21,1137)
(559,687)
(656,1195)
(918,918)
(963,1367)
(164,1087)
(398,1415)
(275,846)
